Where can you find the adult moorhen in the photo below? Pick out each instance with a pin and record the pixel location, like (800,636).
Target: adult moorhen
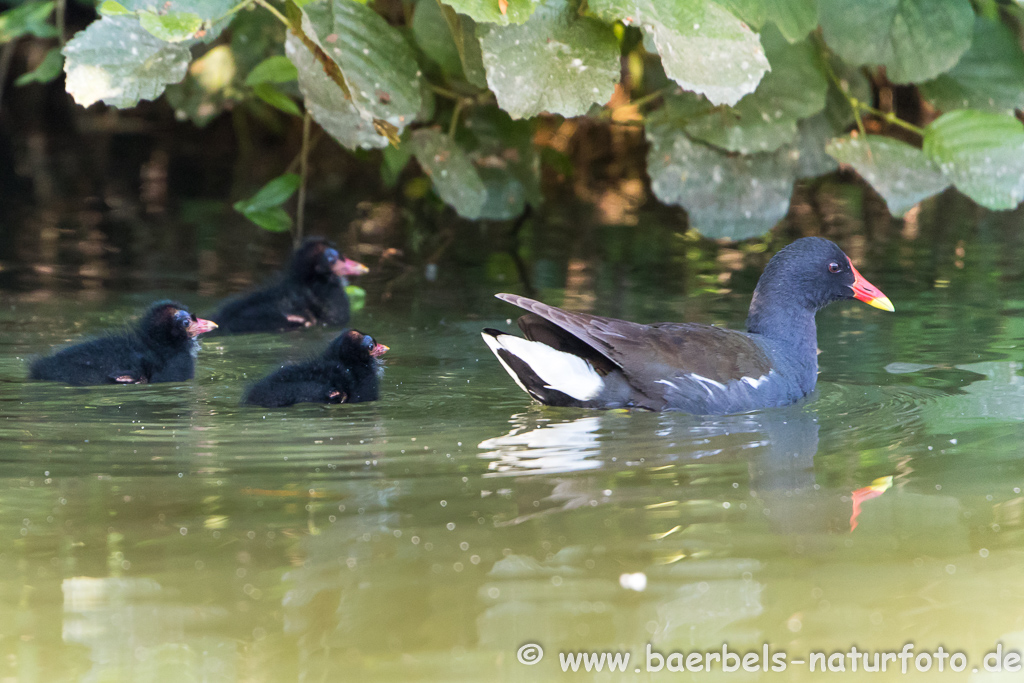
(347,372)
(575,359)
(310,292)
(162,347)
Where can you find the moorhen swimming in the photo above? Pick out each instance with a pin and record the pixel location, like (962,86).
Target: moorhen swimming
(162,347)
(347,372)
(575,359)
(310,292)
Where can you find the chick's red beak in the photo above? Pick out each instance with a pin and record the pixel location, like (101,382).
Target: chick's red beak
(378,350)
(199,326)
(346,267)
(868,293)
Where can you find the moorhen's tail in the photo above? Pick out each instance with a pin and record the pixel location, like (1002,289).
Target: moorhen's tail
(551,376)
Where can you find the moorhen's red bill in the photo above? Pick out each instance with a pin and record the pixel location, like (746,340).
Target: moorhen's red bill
(575,359)
(161,348)
(311,292)
(347,372)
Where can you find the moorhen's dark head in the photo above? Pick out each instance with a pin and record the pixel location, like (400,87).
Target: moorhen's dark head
(318,259)
(812,272)
(170,323)
(352,346)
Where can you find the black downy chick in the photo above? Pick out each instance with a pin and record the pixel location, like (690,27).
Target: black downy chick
(347,372)
(311,292)
(162,347)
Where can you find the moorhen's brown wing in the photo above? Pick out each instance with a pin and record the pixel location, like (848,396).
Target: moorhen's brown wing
(653,358)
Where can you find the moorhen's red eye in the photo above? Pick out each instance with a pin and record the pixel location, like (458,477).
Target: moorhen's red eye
(834,267)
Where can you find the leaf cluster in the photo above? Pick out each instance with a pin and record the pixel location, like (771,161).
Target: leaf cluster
(738,99)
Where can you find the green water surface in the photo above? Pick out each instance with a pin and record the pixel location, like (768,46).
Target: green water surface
(163,533)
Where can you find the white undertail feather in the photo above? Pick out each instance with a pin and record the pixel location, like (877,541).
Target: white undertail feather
(558,370)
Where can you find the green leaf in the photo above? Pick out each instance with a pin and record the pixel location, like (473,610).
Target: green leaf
(396,158)
(112,8)
(989,76)
(356,298)
(276,192)
(795,18)
(274,219)
(276,69)
(506,159)
(812,135)
(982,153)
(556,62)
(766,119)
(489,11)
(913,39)
(174,27)
(902,174)
(277,99)
(378,65)
(455,178)
(703,47)
(100,68)
(432,33)
(206,10)
(725,196)
(48,69)
(30,18)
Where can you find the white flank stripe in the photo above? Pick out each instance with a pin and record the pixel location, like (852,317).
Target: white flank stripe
(707,381)
(755,383)
(559,371)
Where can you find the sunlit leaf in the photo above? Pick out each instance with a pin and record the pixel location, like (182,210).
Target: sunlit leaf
(378,66)
(99,67)
(766,119)
(454,177)
(30,18)
(556,62)
(982,153)
(172,27)
(989,76)
(276,69)
(48,69)
(111,8)
(913,39)
(902,174)
(489,11)
(725,195)
(215,13)
(703,47)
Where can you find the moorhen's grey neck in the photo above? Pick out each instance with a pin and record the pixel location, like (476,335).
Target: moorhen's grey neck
(575,359)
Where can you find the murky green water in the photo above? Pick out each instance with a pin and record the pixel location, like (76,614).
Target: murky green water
(163,533)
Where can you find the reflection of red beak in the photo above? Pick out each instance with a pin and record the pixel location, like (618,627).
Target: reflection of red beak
(877,488)
(378,350)
(868,293)
(346,267)
(199,326)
